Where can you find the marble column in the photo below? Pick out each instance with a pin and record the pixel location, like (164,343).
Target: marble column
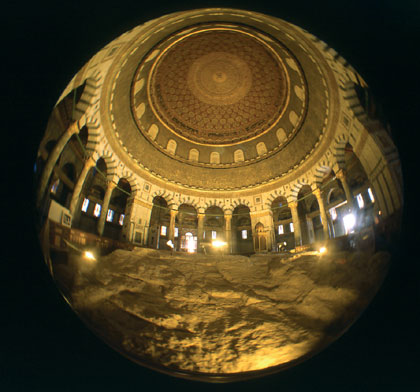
(89,163)
(53,158)
(228,231)
(127,229)
(171,234)
(341,175)
(271,236)
(331,223)
(324,220)
(296,223)
(200,230)
(105,205)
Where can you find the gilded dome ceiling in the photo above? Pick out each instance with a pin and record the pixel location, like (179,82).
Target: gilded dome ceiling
(218,86)
(235,101)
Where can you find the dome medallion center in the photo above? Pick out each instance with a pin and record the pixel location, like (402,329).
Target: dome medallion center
(219,78)
(217,86)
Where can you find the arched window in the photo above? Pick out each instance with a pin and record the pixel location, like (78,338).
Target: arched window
(187,223)
(241,229)
(261,148)
(117,210)
(193,155)
(153,131)
(299,92)
(293,118)
(214,223)
(238,156)
(92,194)
(281,135)
(214,157)
(171,147)
(140,111)
(160,217)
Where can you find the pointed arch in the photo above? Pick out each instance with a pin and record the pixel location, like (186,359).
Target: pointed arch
(164,194)
(241,229)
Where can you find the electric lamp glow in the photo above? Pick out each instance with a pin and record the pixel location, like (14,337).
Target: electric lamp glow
(218,244)
(89,255)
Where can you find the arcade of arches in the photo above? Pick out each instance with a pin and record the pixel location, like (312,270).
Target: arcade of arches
(208,153)
(315,215)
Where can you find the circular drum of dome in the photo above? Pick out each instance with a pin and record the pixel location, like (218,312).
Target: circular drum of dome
(214,95)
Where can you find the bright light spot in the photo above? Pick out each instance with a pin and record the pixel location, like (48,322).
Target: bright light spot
(349,221)
(190,243)
(244,234)
(371,195)
(97,210)
(170,244)
(55,186)
(322,250)
(281,229)
(190,247)
(360,201)
(89,255)
(85,204)
(121,221)
(110,216)
(218,244)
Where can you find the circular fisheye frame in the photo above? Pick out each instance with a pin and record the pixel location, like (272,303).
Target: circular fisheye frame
(215,196)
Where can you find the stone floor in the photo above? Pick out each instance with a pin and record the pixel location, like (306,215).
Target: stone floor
(220,314)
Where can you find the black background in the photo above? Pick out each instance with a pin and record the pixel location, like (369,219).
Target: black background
(44,345)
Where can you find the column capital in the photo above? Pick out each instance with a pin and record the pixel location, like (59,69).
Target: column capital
(201,215)
(318,193)
(73,128)
(90,161)
(173,212)
(173,207)
(341,174)
(292,204)
(111,185)
(228,215)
